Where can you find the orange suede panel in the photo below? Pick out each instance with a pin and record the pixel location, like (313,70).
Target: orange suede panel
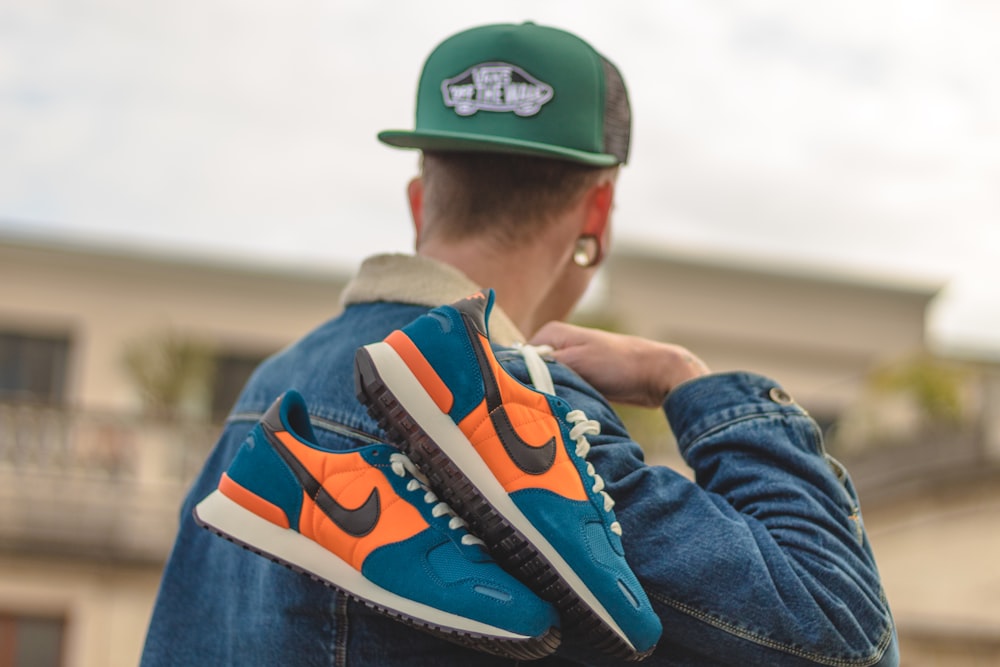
(251,501)
(422,369)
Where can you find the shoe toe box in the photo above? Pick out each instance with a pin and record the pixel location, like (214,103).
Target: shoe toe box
(434,570)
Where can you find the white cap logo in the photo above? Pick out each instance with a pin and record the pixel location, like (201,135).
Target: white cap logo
(495,87)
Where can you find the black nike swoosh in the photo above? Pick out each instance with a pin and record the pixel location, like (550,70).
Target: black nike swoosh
(532,460)
(356,522)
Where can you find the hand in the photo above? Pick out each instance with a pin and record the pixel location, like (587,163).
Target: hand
(625,369)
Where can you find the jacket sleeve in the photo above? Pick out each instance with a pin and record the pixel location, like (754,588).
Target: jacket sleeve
(763,559)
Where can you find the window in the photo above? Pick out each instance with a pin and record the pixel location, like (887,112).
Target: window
(33,367)
(232,370)
(27,641)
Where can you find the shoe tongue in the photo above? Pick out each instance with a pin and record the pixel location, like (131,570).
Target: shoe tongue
(477,308)
(289,413)
(488,308)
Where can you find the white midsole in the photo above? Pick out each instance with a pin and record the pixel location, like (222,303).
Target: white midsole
(449,438)
(234,520)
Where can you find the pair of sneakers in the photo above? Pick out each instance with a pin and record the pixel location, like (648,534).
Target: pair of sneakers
(484,524)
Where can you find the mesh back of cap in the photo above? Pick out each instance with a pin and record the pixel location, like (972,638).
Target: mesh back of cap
(617,114)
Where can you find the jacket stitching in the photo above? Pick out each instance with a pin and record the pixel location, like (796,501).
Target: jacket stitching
(342,626)
(768,414)
(317,422)
(884,641)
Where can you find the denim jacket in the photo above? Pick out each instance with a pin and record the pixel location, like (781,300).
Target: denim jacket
(762,561)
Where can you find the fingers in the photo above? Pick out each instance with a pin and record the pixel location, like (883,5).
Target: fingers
(624,368)
(558,335)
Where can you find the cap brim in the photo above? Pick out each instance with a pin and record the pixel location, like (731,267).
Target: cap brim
(436,140)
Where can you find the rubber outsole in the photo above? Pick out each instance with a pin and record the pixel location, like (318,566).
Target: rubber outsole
(508,545)
(518,648)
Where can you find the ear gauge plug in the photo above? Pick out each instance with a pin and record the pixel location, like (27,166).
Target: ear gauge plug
(587,252)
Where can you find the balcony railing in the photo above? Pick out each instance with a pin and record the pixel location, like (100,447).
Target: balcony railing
(94,485)
(109,486)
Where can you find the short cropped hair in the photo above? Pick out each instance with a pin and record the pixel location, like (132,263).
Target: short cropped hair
(500,195)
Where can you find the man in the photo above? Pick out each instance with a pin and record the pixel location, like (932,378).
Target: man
(763,561)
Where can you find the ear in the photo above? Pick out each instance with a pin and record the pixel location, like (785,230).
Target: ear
(597,209)
(415,195)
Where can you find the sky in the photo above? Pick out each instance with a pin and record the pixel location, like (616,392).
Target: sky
(850,138)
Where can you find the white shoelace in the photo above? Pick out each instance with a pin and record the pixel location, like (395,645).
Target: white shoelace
(582,427)
(404,467)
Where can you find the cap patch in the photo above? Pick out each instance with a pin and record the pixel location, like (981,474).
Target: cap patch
(495,86)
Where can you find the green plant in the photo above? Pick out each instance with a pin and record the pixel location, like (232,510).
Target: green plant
(169,370)
(935,386)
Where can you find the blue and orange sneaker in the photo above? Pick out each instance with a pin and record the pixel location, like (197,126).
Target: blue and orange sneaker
(511,460)
(364,521)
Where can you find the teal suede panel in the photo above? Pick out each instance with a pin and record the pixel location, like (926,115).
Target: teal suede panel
(580,535)
(441,338)
(431,569)
(259,469)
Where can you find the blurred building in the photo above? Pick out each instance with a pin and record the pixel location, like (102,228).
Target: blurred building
(117,368)
(115,372)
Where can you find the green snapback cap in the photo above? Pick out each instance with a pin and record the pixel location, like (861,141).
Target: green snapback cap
(524,89)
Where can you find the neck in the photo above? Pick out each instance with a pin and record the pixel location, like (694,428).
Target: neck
(527,279)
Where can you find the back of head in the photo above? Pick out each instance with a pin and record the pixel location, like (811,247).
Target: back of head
(515,121)
(500,195)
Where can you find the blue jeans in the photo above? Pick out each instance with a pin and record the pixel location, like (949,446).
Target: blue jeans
(763,561)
